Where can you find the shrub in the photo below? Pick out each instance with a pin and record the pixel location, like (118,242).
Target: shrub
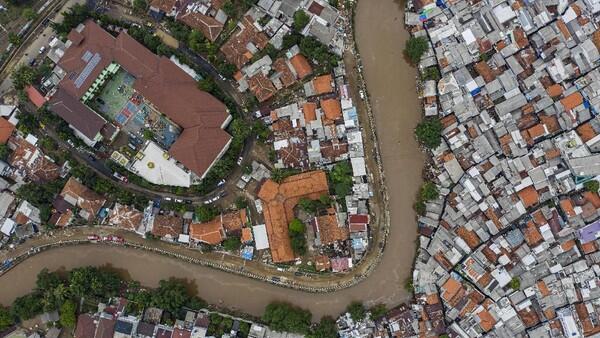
(357,310)
(301,19)
(515,283)
(592,186)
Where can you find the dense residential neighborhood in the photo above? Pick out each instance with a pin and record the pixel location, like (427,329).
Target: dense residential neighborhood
(238,135)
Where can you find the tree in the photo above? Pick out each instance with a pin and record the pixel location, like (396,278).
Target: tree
(297,226)
(592,186)
(29,13)
(4,152)
(207,85)
(67,314)
(429,132)
(205,213)
(171,295)
(71,18)
(232,243)
(317,51)
(378,311)
(241,202)
(6,318)
(23,77)
(47,280)
(341,178)
(357,310)
(429,191)
(140,6)
(301,19)
(14,38)
(431,73)
(325,329)
(229,8)
(282,316)
(415,47)
(515,283)
(28,306)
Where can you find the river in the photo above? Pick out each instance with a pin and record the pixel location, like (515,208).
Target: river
(390,81)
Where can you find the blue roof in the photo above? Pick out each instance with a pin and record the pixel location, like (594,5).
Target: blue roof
(590,232)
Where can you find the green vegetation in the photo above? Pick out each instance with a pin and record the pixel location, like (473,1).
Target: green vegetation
(171,295)
(415,48)
(278,175)
(313,206)
(427,193)
(515,283)
(408,285)
(67,314)
(232,244)
(301,19)
(29,13)
(72,17)
(592,186)
(431,73)
(41,195)
(378,311)
(6,318)
(298,240)
(14,38)
(23,77)
(357,310)
(340,178)
(241,202)
(4,152)
(319,53)
(140,6)
(325,329)
(429,132)
(286,317)
(205,213)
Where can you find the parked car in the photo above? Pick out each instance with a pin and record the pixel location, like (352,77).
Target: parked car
(221,182)
(42,49)
(240,159)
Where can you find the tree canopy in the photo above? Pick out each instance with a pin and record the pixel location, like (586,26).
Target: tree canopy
(68,317)
(415,47)
(301,19)
(429,132)
(282,316)
(297,239)
(171,295)
(325,329)
(205,213)
(357,310)
(23,77)
(592,186)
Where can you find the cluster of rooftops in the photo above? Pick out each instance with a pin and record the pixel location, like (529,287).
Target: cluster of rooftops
(511,246)
(90,50)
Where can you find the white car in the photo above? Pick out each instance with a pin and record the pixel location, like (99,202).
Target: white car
(240,159)
(43,49)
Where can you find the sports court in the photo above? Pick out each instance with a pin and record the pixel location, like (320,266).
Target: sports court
(119,102)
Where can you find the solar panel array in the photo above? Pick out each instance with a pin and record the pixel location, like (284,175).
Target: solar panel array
(89,67)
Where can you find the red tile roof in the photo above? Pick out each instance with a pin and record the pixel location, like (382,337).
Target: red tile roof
(572,101)
(235,49)
(6,130)
(162,83)
(332,109)
(209,26)
(35,96)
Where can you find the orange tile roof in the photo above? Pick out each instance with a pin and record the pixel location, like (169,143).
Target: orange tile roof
(6,130)
(125,217)
(586,132)
(541,285)
(247,235)
(567,206)
(209,232)
(286,76)
(563,28)
(451,288)
(529,196)
(555,90)
(279,201)
(310,111)
(35,97)
(572,101)
(262,87)
(330,230)
(322,84)
(332,109)
(486,320)
(589,247)
(568,245)
(537,131)
(301,66)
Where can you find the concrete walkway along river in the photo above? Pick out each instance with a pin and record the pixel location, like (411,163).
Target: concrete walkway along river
(391,84)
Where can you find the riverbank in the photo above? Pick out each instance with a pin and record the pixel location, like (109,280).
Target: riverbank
(396,110)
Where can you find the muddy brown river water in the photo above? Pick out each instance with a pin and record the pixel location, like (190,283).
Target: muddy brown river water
(390,81)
